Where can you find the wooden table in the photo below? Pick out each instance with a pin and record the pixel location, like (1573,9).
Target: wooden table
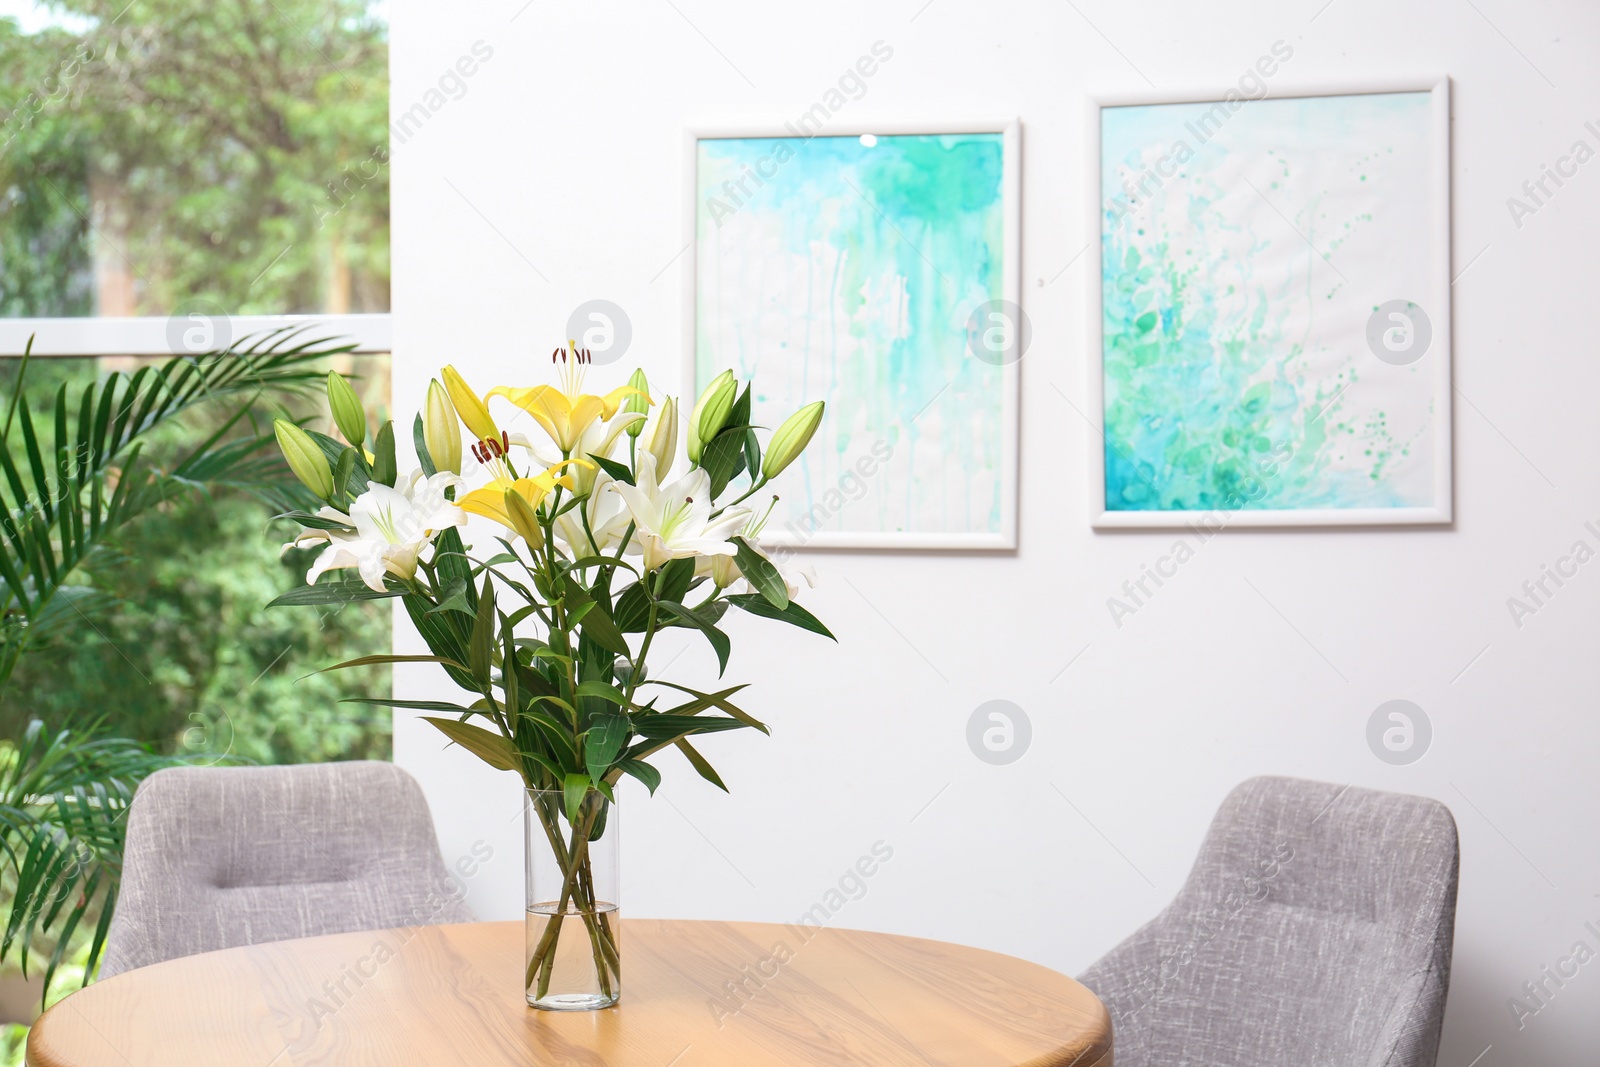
(695,994)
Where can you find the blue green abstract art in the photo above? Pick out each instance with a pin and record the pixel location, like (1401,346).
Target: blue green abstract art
(849,268)
(1273,310)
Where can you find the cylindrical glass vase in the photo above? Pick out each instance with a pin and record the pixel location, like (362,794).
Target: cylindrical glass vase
(574,941)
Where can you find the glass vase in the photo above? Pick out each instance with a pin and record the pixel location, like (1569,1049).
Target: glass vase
(573,943)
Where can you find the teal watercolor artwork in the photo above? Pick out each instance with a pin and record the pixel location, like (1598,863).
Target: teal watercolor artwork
(1273,310)
(850,269)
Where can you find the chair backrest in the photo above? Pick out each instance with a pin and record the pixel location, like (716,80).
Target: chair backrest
(1314,929)
(223,856)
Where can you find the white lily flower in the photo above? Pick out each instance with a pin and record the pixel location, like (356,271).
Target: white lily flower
(390,528)
(674,521)
(608,521)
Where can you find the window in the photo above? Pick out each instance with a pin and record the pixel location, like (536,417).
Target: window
(175,176)
(174,644)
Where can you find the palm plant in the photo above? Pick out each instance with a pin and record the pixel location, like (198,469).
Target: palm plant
(63,500)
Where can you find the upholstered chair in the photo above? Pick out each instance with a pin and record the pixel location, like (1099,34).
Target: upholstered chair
(1315,929)
(223,856)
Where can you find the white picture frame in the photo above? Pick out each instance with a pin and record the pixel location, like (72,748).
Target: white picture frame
(1004,536)
(1438,292)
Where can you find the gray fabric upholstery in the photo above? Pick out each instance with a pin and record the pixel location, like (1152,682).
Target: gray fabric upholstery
(1315,930)
(224,856)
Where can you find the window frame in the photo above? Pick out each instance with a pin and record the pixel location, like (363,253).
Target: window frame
(147,335)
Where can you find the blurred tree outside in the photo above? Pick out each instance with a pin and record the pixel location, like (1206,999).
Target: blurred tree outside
(168,151)
(162,152)
(190,659)
(154,155)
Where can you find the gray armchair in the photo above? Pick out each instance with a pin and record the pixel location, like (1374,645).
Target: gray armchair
(1315,929)
(224,856)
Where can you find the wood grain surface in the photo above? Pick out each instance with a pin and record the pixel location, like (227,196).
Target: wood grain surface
(695,994)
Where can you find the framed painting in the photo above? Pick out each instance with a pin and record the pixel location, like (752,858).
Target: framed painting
(1270,321)
(875,269)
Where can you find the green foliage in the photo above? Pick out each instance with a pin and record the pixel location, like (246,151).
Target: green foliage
(190,659)
(133,569)
(63,798)
(235,152)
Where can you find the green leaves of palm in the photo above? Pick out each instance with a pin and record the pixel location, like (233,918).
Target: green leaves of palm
(63,806)
(59,506)
(63,796)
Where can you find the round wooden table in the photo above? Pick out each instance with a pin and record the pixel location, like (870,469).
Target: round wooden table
(695,994)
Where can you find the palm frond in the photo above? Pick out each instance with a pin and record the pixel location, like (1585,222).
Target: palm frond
(63,803)
(58,509)
(63,497)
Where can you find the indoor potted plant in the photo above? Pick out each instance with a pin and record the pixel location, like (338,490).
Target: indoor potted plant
(600,548)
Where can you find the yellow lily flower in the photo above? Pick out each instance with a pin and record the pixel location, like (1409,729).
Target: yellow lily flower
(566,411)
(473,411)
(490,501)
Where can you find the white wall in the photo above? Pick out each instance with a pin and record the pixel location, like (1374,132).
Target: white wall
(555,179)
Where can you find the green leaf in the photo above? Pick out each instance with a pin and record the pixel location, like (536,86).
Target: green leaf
(661,727)
(576,787)
(480,649)
(619,471)
(703,701)
(723,458)
(594,620)
(642,771)
(414,705)
(698,762)
(599,628)
(419,441)
(794,614)
(450,560)
(313,522)
(458,597)
(601,561)
(368,661)
(361,473)
(677,577)
(342,469)
(492,748)
(762,575)
(604,740)
(383,467)
(446,634)
(334,592)
(604,690)
(632,613)
(719,640)
(752,451)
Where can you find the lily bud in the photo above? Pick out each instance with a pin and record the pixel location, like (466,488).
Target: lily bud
(305,458)
(724,571)
(440,431)
(661,439)
(711,412)
(473,411)
(347,412)
(791,439)
(524,519)
(638,403)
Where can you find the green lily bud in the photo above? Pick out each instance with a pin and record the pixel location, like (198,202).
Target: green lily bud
(347,412)
(662,440)
(791,439)
(441,432)
(524,519)
(711,412)
(638,403)
(305,458)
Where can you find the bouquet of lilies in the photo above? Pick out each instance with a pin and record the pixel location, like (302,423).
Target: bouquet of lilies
(598,550)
